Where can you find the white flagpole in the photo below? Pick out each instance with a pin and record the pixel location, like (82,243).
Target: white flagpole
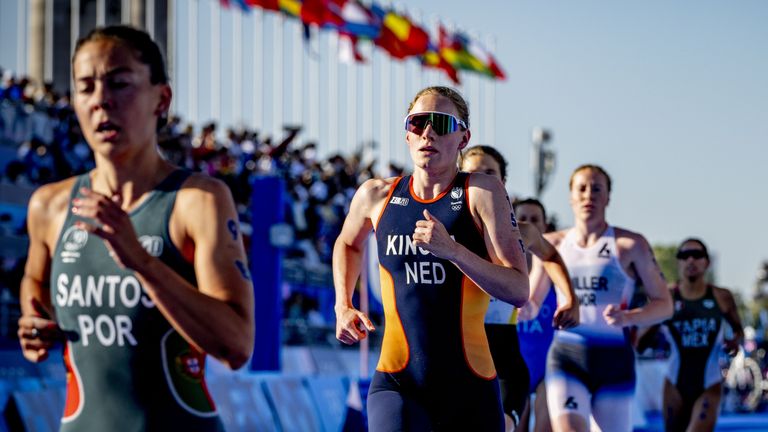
(352,126)
(277,75)
(237,69)
(48,48)
(100,13)
(125,11)
(215,10)
(367,113)
(385,111)
(192,64)
(298,81)
(171,55)
(491,98)
(74,30)
(149,17)
(258,67)
(333,143)
(314,93)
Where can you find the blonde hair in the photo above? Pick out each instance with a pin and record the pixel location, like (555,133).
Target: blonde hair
(454,96)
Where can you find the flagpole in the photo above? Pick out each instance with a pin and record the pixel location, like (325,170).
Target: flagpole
(100,13)
(277,75)
(172,55)
(492,97)
(215,10)
(298,81)
(258,67)
(353,81)
(237,69)
(48,46)
(149,17)
(125,11)
(314,92)
(384,114)
(333,91)
(367,115)
(74,32)
(192,62)
(400,83)
(429,75)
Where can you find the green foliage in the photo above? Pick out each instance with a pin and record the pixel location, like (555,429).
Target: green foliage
(665,256)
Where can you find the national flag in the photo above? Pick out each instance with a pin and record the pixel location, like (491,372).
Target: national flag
(272,5)
(243,5)
(434,59)
(479,51)
(357,22)
(348,50)
(465,53)
(356,19)
(320,13)
(400,37)
(453,47)
(290,7)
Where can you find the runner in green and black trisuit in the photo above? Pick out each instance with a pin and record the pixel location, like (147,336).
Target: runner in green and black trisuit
(137,263)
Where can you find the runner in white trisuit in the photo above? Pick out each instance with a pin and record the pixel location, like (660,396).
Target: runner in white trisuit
(590,368)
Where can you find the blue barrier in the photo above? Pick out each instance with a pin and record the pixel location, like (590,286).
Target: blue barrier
(13,365)
(329,394)
(262,402)
(242,404)
(297,360)
(290,399)
(351,360)
(267,208)
(296,399)
(327,361)
(39,411)
(5,395)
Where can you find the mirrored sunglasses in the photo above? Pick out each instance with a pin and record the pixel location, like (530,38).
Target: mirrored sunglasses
(442,123)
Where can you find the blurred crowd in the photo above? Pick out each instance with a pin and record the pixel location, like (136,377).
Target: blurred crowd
(43,143)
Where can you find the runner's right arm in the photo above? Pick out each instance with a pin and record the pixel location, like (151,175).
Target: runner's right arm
(352,325)
(567,313)
(38,332)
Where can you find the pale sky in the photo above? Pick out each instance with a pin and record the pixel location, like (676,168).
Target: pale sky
(670,97)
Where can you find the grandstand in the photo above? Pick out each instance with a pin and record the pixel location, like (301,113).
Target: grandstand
(258,100)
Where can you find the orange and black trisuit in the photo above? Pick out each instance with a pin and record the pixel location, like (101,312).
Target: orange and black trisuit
(435,370)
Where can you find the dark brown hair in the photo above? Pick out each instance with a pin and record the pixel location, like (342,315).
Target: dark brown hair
(592,167)
(490,151)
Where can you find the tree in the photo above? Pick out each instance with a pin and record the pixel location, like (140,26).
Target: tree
(666,257)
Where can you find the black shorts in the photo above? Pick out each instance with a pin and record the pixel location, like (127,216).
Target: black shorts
(454,405)
(511,369)
(596,366)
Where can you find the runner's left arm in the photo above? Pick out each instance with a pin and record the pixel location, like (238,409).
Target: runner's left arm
(659,305)
(505,277)
(216,317)
(567,313)
(731,314)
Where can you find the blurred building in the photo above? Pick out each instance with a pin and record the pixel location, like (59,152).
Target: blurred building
(39,35)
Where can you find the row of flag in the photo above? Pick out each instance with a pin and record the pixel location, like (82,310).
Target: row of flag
(394,32)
